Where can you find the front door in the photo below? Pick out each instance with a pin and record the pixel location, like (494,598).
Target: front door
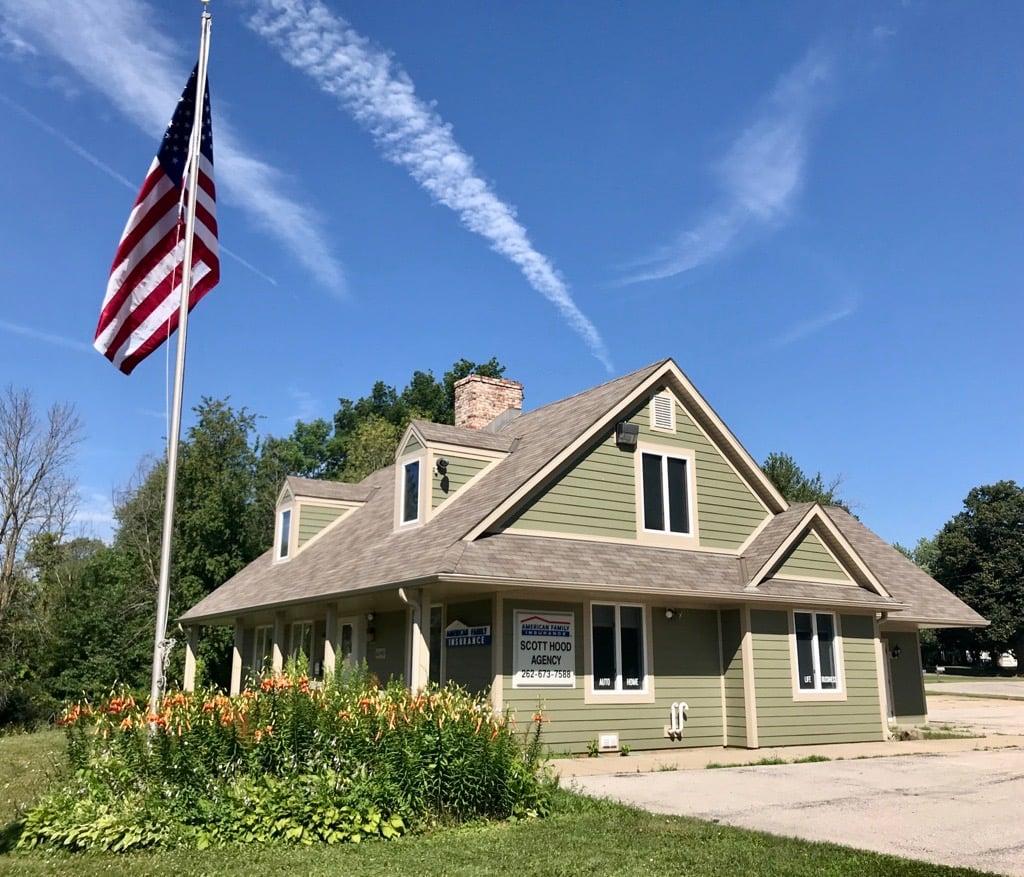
(351,649)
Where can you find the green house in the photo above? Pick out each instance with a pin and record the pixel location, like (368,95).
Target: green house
(615,559)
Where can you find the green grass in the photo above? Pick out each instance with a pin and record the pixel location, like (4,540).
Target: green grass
(582,837)
(806,759)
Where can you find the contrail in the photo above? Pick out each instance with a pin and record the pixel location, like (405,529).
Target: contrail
(382,98)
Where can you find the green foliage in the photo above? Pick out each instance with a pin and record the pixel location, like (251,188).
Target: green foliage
(979,556)
(796,486)
(286,761)
(593,749)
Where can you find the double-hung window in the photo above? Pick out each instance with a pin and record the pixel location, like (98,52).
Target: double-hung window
(666,506)
(410,492)
(284,534)
(817,665)
(617,642)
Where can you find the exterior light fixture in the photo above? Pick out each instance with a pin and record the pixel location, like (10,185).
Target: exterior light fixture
(896,651)
(670,613)
(626,435)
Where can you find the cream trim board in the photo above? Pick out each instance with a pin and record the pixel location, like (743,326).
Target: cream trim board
(410,431)
(497,650)
(804,695)
(618,696)
(465,451)
(655,380)
(665,538)
(840,583)
(768,518)
(284,494)
(883,679)
(749,683)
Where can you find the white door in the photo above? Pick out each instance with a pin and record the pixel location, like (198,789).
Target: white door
(351,647)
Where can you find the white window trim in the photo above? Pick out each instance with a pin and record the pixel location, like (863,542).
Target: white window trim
(617,695)
(817,694)
(666,538)
(673,403)
(423,495)
(292,533)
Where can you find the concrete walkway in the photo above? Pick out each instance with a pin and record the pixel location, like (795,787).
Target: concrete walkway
(699,759)
(960,808)
(983,715)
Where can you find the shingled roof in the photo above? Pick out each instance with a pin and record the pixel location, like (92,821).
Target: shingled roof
(364,552)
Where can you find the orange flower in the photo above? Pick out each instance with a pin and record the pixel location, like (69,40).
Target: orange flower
(126,723)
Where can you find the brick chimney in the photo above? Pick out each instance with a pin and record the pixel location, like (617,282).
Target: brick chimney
(478,400)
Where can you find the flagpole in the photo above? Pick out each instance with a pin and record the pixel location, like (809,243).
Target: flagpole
(160,643)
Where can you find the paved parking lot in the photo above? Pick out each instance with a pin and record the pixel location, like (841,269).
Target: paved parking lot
(984,716)
(957,809)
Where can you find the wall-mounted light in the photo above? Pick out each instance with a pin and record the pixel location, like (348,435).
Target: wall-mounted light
(626,435)
(896,651)
(670,614)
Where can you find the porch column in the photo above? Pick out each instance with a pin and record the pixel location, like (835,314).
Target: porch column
(277,653)
(191,644)
(330,640)
(419,670)
(236,657)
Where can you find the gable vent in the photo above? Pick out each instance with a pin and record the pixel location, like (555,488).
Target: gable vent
(663,413)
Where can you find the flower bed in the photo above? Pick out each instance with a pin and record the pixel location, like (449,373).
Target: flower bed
(286,760)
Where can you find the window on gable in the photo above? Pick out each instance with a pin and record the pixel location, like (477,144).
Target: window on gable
(817,669)
(284,532)
(411,492)
(663,413)
(665,493)
(617,642)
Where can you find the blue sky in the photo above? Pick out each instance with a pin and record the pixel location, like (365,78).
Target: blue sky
(815,208)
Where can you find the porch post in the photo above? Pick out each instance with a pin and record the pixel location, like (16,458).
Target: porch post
(191,644)
(277,653)
(236,657)
(330,640)
(419,670)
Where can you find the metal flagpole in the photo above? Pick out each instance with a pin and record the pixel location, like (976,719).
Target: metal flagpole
(163,589)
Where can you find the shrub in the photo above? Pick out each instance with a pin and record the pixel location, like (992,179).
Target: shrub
(287,760)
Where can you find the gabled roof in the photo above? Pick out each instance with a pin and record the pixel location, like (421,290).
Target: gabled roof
(364,552)
(316,488)
(443,433)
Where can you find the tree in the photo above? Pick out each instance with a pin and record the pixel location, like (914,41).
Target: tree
(979,556)
(923,553)
(36,493)
(370,446)
(796,486)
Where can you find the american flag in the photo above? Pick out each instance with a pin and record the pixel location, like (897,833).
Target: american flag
(140,309)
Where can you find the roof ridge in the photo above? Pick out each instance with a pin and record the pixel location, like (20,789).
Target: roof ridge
(649,367)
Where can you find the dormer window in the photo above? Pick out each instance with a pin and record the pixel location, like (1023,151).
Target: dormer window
(666,505)
(411,492)
(284,533)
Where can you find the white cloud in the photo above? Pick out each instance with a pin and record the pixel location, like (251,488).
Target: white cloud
(761,175)
(306,405)
(382,98)
(804,328)
(117,48)
(45,337)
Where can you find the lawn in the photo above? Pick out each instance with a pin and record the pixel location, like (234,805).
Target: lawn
(582,837)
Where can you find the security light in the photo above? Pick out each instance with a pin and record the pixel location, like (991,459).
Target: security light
(626,435)
(442,467)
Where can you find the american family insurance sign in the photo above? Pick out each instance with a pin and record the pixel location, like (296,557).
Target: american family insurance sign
(544,646)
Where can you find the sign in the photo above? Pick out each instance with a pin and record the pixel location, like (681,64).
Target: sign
(544,644)
(457,635)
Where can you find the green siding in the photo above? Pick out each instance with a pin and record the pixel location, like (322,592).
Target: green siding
(732,656)
(597,496)
(469,666)
(389,635)
(810,559)
(313,518)
(685,653)
(414,444)
(460,470)
(782,721)
(909,704)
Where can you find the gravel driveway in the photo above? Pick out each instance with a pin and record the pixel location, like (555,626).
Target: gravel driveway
(961,809)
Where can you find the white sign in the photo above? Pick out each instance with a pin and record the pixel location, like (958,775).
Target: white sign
(544,645)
